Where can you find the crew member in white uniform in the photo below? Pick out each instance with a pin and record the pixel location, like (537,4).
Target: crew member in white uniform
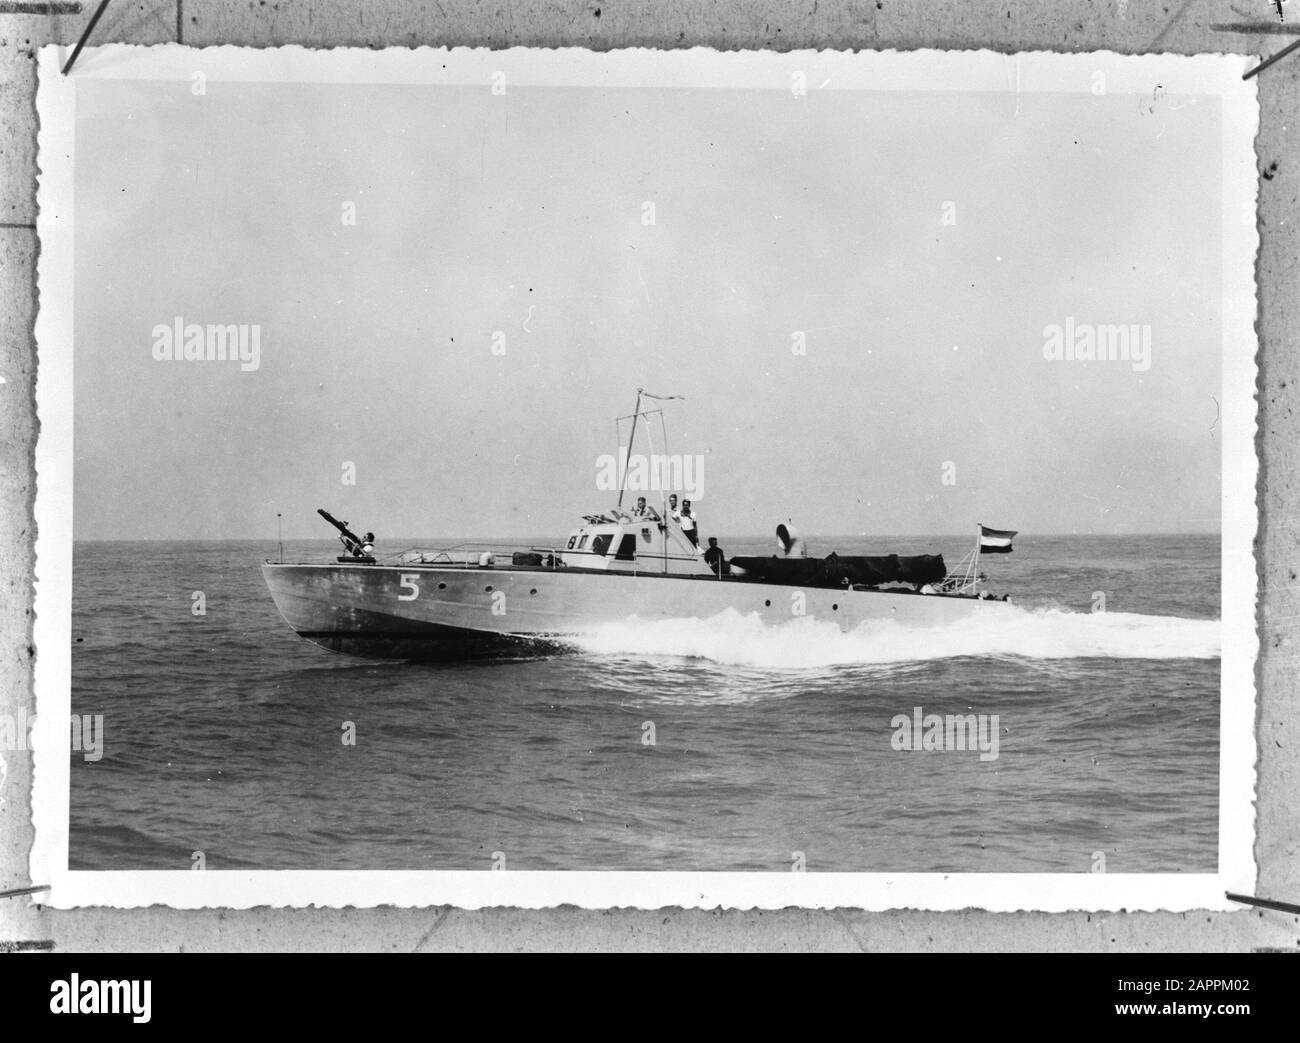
(687,522)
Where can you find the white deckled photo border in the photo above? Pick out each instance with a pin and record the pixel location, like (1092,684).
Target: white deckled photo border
(1214,75)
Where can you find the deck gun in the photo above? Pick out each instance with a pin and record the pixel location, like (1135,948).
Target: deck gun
(352,543)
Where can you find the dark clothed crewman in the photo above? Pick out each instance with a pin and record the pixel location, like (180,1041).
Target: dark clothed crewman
(716,559)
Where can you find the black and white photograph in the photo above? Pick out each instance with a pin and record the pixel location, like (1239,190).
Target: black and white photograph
(540,476)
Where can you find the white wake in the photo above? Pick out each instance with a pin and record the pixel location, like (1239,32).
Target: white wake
(733,639)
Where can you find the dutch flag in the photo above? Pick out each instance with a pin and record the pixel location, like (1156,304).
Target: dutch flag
(995,541)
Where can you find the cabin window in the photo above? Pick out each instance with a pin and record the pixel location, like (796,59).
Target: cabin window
(582,543)
(626,548)
(600,545)
(572,541)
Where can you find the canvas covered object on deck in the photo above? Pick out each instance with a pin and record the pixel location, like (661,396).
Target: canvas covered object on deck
(849,570)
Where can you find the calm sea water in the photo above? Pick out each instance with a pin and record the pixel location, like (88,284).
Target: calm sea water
(223,732)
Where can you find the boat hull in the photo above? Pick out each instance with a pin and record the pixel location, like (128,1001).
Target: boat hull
(438,613)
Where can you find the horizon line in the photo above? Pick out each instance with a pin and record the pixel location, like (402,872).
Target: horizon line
(752,536)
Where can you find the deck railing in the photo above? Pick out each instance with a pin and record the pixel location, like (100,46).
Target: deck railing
(471,554)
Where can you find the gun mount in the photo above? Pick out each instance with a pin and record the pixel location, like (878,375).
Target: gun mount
(357,548)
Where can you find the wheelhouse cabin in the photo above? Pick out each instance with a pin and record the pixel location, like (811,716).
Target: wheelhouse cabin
(628,543)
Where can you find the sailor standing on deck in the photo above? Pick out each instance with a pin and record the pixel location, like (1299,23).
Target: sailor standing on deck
(716,558)
(687,522)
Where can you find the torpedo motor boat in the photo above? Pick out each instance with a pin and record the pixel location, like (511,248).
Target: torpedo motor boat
(482,600)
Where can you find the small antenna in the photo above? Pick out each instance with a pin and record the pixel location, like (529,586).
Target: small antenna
(279,531)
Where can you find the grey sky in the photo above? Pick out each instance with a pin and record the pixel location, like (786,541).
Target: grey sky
(523,214)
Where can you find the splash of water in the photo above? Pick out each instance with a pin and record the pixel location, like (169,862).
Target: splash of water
(732,639)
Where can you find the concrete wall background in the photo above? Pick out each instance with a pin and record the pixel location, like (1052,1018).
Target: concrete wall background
(1126,26)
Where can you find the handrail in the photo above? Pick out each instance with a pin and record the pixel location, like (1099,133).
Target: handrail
(466,554)
(463,553)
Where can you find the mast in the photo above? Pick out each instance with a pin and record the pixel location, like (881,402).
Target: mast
(627,457)
(663,496)
(627,463)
